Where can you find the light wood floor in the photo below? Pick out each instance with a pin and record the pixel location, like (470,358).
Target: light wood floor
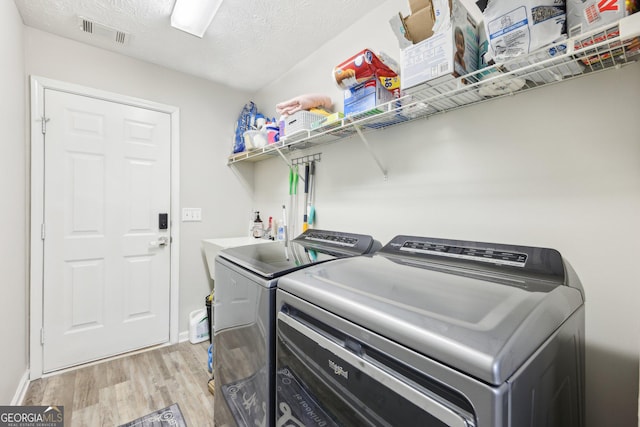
(120,390)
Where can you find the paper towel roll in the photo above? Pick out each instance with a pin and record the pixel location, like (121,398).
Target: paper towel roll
(359,68)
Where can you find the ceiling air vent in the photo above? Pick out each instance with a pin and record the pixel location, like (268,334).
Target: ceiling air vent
(103,31)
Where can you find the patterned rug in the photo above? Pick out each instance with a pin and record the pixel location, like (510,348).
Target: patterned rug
(169,416)
(247,399)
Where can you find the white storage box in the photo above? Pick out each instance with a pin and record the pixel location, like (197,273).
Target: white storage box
(301,120)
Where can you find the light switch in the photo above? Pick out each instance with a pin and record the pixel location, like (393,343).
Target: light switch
(191,214)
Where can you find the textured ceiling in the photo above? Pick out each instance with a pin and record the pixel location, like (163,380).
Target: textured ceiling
(248,45)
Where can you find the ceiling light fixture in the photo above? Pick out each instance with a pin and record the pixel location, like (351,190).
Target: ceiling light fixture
(194,16)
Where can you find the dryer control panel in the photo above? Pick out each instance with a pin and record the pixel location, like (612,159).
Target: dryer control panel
(490,255)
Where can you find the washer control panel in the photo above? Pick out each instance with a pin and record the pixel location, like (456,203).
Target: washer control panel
(510,259)
(356,243)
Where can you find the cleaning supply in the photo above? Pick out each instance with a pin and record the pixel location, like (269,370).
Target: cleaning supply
(280,233)
(293,202)
(271,229)
(272,132)
(198,329)
(305,225)
(208,303)
(281,125)
(311,206)
(285,232)
(258,227)
(296,176)
(282,226)
(210,354)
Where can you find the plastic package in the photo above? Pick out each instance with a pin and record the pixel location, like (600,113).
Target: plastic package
(246,121)
(255,139)
(363,66)
(517,28)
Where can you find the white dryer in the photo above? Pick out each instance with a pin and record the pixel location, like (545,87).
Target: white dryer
(432,332)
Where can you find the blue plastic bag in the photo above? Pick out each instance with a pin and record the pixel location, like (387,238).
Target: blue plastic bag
(246,121)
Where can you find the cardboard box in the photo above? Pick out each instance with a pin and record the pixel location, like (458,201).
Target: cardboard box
(366,96)
(417,26)
(416,5)
(438,57)
(421,23)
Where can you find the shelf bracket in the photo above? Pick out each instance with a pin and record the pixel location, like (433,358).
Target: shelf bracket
(236,168)
(366,143)
(284,158)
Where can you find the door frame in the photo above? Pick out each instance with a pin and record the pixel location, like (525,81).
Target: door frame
(36,274)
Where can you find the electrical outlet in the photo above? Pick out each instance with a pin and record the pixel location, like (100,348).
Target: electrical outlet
(191,214)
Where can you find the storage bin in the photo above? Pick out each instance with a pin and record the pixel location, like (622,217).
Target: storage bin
(255,139)
(301,120)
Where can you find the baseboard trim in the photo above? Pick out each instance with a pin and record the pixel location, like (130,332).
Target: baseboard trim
(21,391)
(106,359)
(184,336)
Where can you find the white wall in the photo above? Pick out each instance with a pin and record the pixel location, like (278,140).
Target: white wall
(531,169)
(557,167)
(13,164)
(207,115)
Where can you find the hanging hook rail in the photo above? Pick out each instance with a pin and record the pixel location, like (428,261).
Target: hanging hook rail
(306,159)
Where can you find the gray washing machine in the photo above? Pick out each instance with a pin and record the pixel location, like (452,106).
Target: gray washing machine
(246,278)
(432,332)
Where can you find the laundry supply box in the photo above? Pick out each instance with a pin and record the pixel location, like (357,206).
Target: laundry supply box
(366,96)
(451,52)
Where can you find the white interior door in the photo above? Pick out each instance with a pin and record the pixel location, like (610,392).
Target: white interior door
(106,271)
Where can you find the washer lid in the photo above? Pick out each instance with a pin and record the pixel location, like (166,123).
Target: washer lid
(270,260)
(479,322)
